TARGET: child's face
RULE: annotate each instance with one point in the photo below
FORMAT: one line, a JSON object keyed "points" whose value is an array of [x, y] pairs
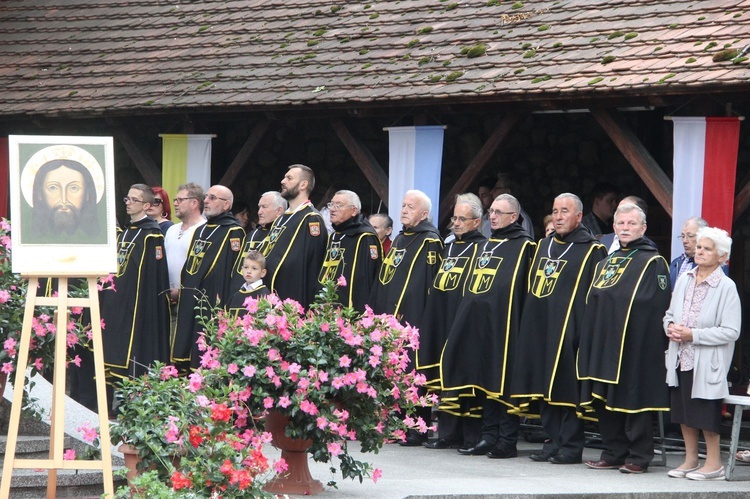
{"points": [[252, 271]]}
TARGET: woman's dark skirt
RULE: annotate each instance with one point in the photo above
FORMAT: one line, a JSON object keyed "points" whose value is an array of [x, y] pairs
{"points": [[696, 413]]}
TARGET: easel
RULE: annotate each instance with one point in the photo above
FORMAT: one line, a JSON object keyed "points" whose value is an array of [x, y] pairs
{"points": [[57, 427]]}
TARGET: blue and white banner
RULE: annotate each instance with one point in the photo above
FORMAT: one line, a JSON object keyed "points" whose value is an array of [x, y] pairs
{"points": [[415, 162]]}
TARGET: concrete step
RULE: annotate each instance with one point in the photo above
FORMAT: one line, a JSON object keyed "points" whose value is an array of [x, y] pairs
{"points": [[70, 483]]}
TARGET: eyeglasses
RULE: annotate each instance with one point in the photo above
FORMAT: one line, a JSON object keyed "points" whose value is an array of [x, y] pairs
{"points": [[499, 212], [180, 200], [212, 197], [157, 202], [462, 219], [127, 200], [686, 236], [336, 206]]}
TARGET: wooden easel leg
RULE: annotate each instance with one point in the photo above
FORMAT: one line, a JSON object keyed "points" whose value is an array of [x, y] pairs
{"points": [[57, 425], [57, 417], [101, 390], [15, 411]]}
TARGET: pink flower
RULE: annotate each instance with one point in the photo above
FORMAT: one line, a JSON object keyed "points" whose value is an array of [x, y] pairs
{"points": [[268, 402], [334, 448], [168, 372], [273, 354], [76, 360], [10, 346], [7, 368], [232, 368], [280, 466], [248, 371], [76, 310], [321, 422], [4, 296], [376, 474], [88, 434], [39, 364], [284, 402], [196, 380], [345, 361], [69, 455], [341, 281], [308, 407], [325, 327]]}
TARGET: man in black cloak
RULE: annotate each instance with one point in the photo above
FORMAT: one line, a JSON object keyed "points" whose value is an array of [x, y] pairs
{"points": [[545, 369]]}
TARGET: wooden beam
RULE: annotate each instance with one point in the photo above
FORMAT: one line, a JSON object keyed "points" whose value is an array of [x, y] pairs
{"points": [[637, 155], [742, 201], [479, 162], [248, 148], [364, 159], [142, 161]]}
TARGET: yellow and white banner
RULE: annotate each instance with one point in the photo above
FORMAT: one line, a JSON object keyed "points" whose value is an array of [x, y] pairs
{"points": [[185, 158]]}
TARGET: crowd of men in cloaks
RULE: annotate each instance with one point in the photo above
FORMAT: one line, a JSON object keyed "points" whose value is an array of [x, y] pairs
{"points": [[504, 327]]}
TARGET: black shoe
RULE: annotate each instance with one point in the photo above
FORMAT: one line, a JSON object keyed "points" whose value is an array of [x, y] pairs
{"points": [[480, 449], [564, 459], [413, 439], [440, 443], [541, 456], [503, 452]]}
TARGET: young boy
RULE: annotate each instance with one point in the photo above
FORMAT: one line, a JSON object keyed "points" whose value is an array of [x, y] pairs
{"points": [[253, 270]]}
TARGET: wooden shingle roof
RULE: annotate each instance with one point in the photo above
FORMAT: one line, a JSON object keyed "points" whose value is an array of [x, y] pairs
{"points": [[69, 57]]}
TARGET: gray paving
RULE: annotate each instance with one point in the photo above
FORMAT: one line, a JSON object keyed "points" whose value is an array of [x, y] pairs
{"points": [[417, 472]]}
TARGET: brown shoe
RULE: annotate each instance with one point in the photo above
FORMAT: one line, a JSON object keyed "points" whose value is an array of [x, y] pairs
{"points": [[602, 465], [632, 468]]}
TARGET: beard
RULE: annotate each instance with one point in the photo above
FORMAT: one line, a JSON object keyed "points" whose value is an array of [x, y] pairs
{"points": [[290, 192], [65, 220]]}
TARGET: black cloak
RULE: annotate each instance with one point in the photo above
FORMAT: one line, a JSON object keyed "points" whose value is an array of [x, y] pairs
{"points": [[559, 278], [294, 251], [354, 251], [212, 270], [621, 355], [135, 310]]}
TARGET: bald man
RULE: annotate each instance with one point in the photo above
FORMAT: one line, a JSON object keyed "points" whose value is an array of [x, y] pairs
{"points": [[212, 271]]}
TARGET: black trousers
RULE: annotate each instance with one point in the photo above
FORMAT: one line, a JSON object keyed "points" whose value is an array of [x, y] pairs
{"points": [[627, 438], [564, 428], [497, 425]]}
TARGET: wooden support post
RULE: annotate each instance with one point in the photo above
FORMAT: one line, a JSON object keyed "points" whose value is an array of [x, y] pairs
{"points": [[637, 155], [364, 159], [479, 162], [142, 161], [248, 148], [57, 424]]}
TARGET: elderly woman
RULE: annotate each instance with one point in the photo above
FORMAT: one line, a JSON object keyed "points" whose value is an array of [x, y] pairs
{"points": [[702, 324]]}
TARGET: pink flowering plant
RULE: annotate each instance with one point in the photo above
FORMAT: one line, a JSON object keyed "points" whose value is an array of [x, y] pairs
{"points": [[192, 439], [13, 290], [338, 375]]}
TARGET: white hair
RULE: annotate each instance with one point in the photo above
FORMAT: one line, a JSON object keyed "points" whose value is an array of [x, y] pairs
{"points": [[278, 200], [472, 201], [720, 238], [627, 208], [426, 203], [352, 197]]}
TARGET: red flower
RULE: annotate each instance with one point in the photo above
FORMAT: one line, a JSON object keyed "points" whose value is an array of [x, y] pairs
{"points": [[221, 412], [226, 467], [196, 435], [180, 481]]}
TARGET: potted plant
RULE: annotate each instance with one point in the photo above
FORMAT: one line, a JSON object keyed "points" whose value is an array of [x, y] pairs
{"points": [[325, 377], [185, 438], [335, 374]]}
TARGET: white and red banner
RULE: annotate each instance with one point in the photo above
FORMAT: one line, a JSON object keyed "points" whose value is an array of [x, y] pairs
{"points": [[705, 164]]}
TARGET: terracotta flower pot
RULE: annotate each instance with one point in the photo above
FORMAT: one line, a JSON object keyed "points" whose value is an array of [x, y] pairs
{"points": [[131, 457], [297, 479]]}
